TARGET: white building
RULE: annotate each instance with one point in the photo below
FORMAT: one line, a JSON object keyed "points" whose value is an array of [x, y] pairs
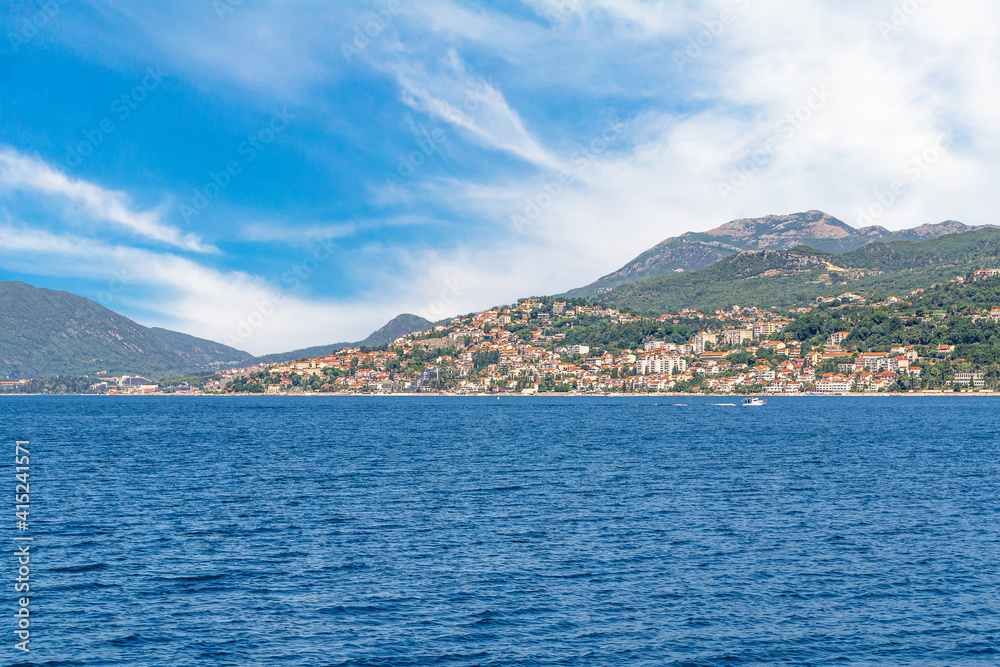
{"points": [[737, 336], [837, 384], [701, 342], [660, 365]]}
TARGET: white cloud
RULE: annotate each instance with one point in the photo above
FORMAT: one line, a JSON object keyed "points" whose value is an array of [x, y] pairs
{"points": [[25, 173], [234, 307], [265, 232], [883, 103], [471, 103]]}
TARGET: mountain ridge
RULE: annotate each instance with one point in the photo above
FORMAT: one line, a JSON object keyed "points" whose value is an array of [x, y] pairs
{"points": [[51, 332], [398, 326], [797, 276], [46, 332], [693, 251]]}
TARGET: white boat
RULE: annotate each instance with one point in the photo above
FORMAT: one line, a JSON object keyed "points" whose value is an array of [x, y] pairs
{"points": [[754, 401]]}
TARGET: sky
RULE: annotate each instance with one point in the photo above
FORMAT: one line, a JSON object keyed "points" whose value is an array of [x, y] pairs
{"points": [[274, 175]]}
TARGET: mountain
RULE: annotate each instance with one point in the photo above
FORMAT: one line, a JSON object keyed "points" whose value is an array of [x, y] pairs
{"points": [[44, 332], [696, 250], [396, 327], [797, 276]]}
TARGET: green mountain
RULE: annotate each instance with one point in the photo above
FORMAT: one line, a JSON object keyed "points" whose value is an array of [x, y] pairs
{"points": [[696, 250], [795, 277], [396, 327], [44, 332]]}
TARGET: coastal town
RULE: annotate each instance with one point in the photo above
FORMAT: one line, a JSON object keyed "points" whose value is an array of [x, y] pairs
{"points": [[552, 346]]}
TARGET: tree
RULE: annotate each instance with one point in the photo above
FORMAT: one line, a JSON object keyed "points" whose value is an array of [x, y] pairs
{"points": [[483, 359]]}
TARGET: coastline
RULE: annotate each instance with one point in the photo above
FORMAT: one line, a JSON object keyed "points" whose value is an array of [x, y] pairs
{"points": [[555, 394]]}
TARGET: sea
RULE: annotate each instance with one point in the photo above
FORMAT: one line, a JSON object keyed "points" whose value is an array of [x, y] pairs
{"points": [[385, 531]]}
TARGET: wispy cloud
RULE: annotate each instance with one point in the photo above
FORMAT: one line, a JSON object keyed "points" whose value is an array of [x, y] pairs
{"points": [[266, 232], [26, 173], [452, 94]]}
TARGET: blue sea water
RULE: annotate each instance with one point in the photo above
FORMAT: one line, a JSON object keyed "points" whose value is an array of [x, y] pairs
{"points": [[525, 531]]}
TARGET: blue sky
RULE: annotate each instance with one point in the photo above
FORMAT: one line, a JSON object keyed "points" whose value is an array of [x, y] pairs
{"points": [[281, 174]]}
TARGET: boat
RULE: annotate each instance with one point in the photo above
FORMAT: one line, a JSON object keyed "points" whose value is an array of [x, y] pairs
{"points": [[753, 400]]}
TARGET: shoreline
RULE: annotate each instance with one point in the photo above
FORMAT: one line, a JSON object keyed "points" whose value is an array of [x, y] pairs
{"points": [[916, 394]]}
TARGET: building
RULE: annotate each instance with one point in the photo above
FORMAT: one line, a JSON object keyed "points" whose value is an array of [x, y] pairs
{"points": [[711, 358], [660, 365], [434, 343], [874, 361], [763, 330], [834, 384], [837, 338], [133, 381], [703, 341], [970, 379], [737, 336]]}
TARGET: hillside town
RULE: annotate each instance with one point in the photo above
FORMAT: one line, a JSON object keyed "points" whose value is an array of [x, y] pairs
{"points": [[541, 346]]}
